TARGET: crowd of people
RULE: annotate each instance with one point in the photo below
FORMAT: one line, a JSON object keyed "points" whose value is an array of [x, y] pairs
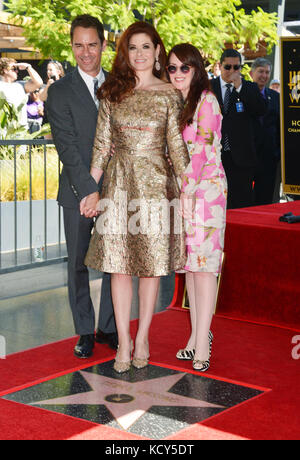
{"points": [[28, 96], [153, 154]]}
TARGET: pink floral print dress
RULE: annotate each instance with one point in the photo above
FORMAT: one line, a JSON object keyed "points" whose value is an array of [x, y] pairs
{"points": [[205, 178]]}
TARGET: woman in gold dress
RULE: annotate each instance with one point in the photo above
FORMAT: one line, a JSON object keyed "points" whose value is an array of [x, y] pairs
{"points": [[139, 230]]}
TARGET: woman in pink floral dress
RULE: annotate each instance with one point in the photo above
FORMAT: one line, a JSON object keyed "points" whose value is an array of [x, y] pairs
{"points": [[204, 193]]}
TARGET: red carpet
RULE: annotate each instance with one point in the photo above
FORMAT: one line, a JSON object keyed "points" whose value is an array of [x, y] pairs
{"points": [[243, 353], [260, 279], [262, 264]]}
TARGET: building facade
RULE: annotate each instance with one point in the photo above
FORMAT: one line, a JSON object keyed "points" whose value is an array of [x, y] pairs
{"points": [[289, 10], [288, 25]]}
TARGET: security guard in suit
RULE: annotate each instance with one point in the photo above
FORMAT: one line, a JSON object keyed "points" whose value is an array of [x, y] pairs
{"points": [[242, 104]]}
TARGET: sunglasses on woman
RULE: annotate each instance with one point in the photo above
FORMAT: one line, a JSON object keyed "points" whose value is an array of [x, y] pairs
{"points": [[184, 68], [229, 66]]}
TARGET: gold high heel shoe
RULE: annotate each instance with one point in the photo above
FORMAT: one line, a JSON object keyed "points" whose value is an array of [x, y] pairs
{"points": [[123, 366], [140, 363]]}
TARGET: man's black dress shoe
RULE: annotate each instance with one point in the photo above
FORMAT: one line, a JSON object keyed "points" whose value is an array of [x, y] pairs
{"points": [[110, 339], [84, 347]]}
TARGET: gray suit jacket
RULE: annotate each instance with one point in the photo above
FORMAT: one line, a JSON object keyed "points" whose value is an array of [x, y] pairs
{"points": [[73, 117]]}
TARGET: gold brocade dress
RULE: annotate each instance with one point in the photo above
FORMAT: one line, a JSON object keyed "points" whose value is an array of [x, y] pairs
{"points": [[139, 231]]}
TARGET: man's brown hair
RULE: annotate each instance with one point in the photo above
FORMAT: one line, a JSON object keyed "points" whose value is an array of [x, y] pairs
{"points": [[88, 22]]}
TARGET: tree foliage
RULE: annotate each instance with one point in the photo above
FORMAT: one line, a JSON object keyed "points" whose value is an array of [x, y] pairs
{"points": [[207, 24], [10, 126]]}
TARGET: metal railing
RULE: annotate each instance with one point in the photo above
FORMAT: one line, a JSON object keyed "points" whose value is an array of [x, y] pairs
{"points": [[31, 230]]}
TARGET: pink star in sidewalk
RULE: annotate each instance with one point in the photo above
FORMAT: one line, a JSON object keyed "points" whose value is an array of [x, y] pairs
{"points": [[129, 401]]}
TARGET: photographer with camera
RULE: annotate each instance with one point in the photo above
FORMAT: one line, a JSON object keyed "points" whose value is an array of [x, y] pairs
{"points": [[55, 72]]}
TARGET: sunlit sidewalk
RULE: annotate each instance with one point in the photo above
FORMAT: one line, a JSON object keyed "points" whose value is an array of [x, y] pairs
{"points": [[34, 307]]}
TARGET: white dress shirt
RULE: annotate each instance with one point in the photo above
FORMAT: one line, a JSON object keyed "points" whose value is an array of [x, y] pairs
{"points": [[89, 81]]}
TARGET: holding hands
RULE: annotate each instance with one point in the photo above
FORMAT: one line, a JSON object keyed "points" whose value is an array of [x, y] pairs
{"points": [[89, 205]]}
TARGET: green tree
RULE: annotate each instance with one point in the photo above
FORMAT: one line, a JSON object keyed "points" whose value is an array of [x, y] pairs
{"points": [[206, 24]]}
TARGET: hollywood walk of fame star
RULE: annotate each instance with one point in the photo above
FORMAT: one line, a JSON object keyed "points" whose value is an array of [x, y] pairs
{"points": [[129, 401]]}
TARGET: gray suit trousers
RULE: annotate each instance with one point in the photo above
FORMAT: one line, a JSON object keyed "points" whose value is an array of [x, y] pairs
{"points": [[78, 233]]}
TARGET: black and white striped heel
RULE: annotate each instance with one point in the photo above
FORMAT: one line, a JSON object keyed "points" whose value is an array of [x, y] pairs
{"points": [[210, 338], [186, 355], [203, 366]]}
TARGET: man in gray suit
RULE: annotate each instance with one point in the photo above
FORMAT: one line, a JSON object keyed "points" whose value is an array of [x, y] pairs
{"points": [[72, 108]]}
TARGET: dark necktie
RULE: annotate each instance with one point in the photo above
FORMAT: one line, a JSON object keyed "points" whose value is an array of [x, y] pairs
{"points": [[226, 145], [96, 87], [227, 97]]}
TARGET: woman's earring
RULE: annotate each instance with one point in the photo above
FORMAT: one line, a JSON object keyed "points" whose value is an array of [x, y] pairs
{"points": [[157, 65]]}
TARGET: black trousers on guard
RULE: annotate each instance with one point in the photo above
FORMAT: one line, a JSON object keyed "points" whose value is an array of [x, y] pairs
{"points": [[240, 183]]}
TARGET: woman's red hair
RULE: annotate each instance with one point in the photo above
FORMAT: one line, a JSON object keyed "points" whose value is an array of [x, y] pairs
{"points": [[122, 79], [191, 56]]}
